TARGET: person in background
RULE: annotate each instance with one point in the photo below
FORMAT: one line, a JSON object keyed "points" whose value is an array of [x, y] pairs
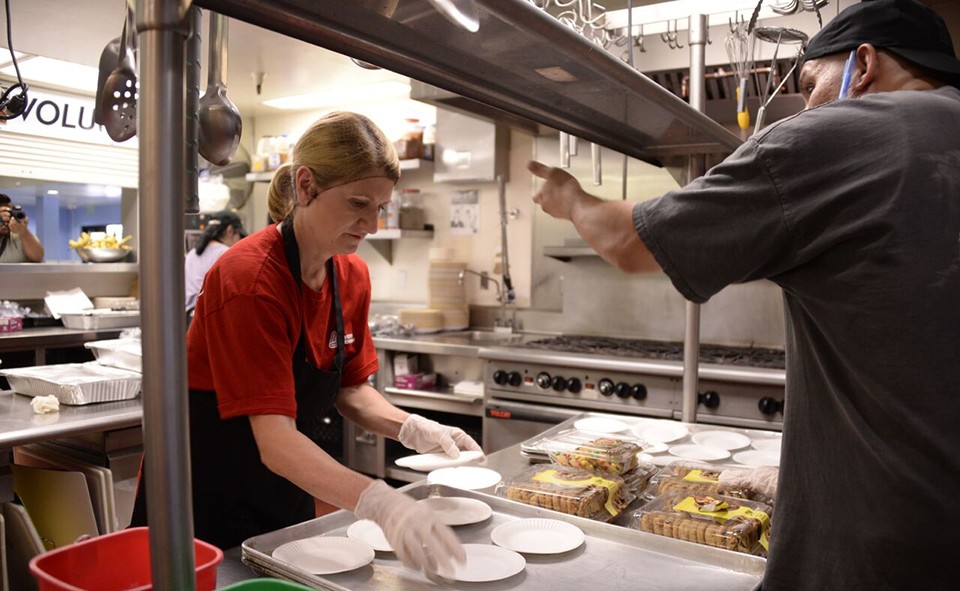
{"points": [[853, 208], [223, 230], [17, 243], [280, 337], [280, 195]]}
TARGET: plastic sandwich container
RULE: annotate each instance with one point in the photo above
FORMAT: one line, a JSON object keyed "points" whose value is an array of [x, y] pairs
{"points": [[114, 562]]}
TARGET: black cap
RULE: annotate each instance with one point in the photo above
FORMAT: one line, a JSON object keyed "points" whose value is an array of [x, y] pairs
{"points": [[225, 218], [904, 27]]}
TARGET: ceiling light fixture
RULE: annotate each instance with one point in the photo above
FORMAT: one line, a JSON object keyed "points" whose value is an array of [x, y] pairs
{"points": [[52, 72], [367, 93]]}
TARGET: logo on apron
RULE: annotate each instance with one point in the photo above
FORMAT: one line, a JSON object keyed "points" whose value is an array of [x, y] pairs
{"points": [[347, 339]]}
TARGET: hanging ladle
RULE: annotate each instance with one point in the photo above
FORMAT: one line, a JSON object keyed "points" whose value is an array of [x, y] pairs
{"points": [[220, 123], [117, 104]]}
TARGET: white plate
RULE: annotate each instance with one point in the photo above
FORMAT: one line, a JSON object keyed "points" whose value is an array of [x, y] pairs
{"points": [[655, 447], [486, 563], [369, 533], [600, 425], [700, 452], [427, 462], [321, 555], [767, 445], [755, 457], [663, 432], [538, 536], [458, 511], [464, 477], [721, 439]]}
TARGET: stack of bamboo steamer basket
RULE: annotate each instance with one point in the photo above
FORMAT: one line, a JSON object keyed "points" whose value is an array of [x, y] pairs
{"points": [[446, 292]]}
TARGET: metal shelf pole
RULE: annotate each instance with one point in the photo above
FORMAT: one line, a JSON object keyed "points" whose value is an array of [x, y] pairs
{"points": [[166, 440]]}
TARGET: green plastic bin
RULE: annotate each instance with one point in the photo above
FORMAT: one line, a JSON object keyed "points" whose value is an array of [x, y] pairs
{"points": [[266, 585]]}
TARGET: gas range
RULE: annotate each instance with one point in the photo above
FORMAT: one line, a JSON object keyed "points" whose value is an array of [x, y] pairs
{"points": [[738, 386]]}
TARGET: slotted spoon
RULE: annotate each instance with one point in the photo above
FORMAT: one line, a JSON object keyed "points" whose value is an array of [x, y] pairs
{"points": [[117, 103]]}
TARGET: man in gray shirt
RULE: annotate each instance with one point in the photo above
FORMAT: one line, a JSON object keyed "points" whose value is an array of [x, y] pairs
{"points": [[17, 243], [853, 208]]}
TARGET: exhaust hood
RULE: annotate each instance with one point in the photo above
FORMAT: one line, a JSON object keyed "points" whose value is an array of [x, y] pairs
{"points": [[522, 62]]}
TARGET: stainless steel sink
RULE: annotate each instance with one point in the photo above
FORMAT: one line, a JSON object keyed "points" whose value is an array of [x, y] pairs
{"points": [[476, 337]]}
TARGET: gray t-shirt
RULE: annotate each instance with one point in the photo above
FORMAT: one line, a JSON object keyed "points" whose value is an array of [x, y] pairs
{"points": [[853, 208], [13, 253]]}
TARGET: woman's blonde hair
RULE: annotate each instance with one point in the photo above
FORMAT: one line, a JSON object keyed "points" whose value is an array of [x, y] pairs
{"points": [[338, 148], [280, 196]]}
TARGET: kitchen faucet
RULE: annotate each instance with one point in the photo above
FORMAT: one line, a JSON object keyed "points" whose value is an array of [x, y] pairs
{"points": [[502, 296]]}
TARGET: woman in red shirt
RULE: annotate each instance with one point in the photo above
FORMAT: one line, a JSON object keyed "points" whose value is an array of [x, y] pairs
{"points": [[280, 337]]}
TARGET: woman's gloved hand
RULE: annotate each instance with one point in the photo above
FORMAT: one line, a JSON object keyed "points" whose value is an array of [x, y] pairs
{"points": [[762, 480], [420, 540], [426, 436]]}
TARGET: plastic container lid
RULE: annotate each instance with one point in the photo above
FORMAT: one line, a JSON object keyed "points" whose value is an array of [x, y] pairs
{"points": [[696, 479], [568, 490], [115, 562], [713, 520], [601, 455]]}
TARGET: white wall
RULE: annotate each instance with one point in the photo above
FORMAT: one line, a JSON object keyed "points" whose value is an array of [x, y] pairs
{"points": [[405, 280]]}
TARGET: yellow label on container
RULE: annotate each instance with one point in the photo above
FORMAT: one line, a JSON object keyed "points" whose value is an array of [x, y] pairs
{"points": [[722, 512], [702, 476], [551, 477]]}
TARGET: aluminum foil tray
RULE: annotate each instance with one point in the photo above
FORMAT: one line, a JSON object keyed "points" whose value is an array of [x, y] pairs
{"points": [[120, 353], [75, 383], [101, 318], [613, 558]]}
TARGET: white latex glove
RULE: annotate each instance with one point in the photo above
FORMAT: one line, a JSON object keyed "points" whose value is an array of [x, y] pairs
{"points": [[426, 436], [419, 538], [762, 479]]}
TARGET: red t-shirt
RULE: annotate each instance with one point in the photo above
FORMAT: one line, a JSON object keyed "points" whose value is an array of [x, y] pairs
{"points": [[248, 321]]}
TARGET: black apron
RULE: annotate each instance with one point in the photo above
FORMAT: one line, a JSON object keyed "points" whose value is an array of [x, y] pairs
{"points": [[235, 496]]}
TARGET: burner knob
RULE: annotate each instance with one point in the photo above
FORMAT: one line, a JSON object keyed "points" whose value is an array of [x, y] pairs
{"points": [[559, 384], [770, 406], [515, 379], [544, 380], [710, 399], [500, 377], [622, 390], [606, 387], [574, 385], [638, 391]]}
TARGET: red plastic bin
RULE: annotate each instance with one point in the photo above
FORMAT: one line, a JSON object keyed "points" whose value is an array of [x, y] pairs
{"points": [[114, 562]]}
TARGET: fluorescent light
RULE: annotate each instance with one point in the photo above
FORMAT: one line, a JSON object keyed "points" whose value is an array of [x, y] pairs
{"points": [[52, 72], [52, 192], [367, 93]]}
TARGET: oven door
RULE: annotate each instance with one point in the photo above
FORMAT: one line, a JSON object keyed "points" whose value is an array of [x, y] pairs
{"points": [[506, 422]]}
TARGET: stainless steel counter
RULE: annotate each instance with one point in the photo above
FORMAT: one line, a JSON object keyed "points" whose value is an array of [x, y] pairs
{"points": [[20, 425]]}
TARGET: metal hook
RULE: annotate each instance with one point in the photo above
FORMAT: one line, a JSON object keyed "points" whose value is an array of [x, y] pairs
{"points": [[676, 35]]}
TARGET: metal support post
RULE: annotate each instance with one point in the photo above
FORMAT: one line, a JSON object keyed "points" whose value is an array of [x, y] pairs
{"points": [[160, 24], [695, 167]]}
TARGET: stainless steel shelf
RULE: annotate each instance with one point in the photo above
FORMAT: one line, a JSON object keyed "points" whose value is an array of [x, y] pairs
{"points": [[522, 61], [382, 241], [440, 399]]}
